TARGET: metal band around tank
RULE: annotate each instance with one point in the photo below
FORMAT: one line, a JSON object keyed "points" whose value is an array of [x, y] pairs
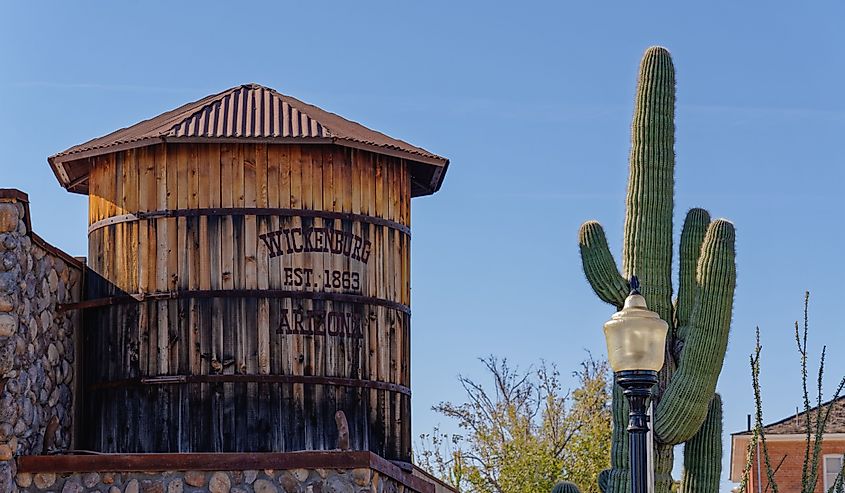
{"points": [[240, 378], [235, 293], [249, 211]]}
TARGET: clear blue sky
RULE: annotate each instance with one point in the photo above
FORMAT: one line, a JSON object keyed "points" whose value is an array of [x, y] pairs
{"points": [[532, 103]]}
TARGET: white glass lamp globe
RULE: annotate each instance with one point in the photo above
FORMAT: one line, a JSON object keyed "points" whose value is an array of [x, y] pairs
{"points": [[635, 337]]}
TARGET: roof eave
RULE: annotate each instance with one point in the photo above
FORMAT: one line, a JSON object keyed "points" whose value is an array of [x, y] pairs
{"points": [[59, 171], [440, 163], [57, 161]]}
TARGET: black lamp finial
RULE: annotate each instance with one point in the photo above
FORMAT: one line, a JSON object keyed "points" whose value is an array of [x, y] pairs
{"points": [[635, 285]]}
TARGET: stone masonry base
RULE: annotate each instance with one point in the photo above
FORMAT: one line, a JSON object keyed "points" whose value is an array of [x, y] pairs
{"points": [[343, 472]]}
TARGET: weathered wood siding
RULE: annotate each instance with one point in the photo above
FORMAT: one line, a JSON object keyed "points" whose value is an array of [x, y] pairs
{"points": [[274, 285]]}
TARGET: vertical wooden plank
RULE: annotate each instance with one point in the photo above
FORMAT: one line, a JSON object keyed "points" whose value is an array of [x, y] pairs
{"points": [[295, 160], [243, 320], [332, 177], [263, 179], [379, 186], [285, 157], [93, 192], [395, 180], [217, 158], [238, 194], [193, 223], [194, 272], [171, 328], [262, 260], [360, 205], [146, 180], [107, 190], [396, 339], [396, 252], [181, 224], [250, 237], [228, 363], [316, 157], [235, 343], [372, 321], [273, 347], [305, 261], [367, 182], [131, 205], [208, 157], [406, 253], [355, 165], [307, 176], [385, 314], [319, 338], [328, 179], [172, 165], [356, 345], [380, 207], [280, 308], [297, 348], [228, 158], [347, 156], [346, 205], [124, 251], [241, 155], [406, 300], [328, 350], [261, 175], [146, 168], [403, 346], [327, 202], [161, 280], [95, 241], [120, 253]]}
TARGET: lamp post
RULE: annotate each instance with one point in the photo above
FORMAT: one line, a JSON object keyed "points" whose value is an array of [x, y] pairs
{"points": [[635, 346]]}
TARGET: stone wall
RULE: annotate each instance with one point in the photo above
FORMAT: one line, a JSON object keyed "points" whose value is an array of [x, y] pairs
{"points": [[37, 353], [360, 480]]}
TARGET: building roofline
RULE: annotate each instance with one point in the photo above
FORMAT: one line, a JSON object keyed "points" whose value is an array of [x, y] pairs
{"points": [[784, 420]]}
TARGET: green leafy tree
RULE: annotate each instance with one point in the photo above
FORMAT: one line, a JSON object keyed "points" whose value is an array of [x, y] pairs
{"points": [[525, 432]]}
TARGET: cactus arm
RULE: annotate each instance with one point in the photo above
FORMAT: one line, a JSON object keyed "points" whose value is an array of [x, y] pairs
{"points": [[566, 487], [703, 454], [692, 235], [649, 200], [599, 266], [685, 402], [604, 480], [618, 478]]}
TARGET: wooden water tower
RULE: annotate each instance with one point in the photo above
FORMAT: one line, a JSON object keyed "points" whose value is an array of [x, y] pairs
{"points": [[249, 277]]}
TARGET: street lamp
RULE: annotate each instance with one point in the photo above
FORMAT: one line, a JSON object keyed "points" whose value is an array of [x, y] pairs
{"points": [[635, 346]]}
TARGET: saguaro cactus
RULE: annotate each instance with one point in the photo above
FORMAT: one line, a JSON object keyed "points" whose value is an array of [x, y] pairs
{"points": [[700, 316], [566, 487]]}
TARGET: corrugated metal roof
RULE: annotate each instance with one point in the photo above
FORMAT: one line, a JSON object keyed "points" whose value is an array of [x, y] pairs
{"points": [[250, 111]]}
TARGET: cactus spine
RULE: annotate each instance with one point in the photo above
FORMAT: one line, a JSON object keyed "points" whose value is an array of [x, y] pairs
{"points": [[700, 316]]}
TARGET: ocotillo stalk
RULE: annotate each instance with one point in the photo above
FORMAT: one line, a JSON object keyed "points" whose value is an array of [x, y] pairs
{"points": [[700, 316]]}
